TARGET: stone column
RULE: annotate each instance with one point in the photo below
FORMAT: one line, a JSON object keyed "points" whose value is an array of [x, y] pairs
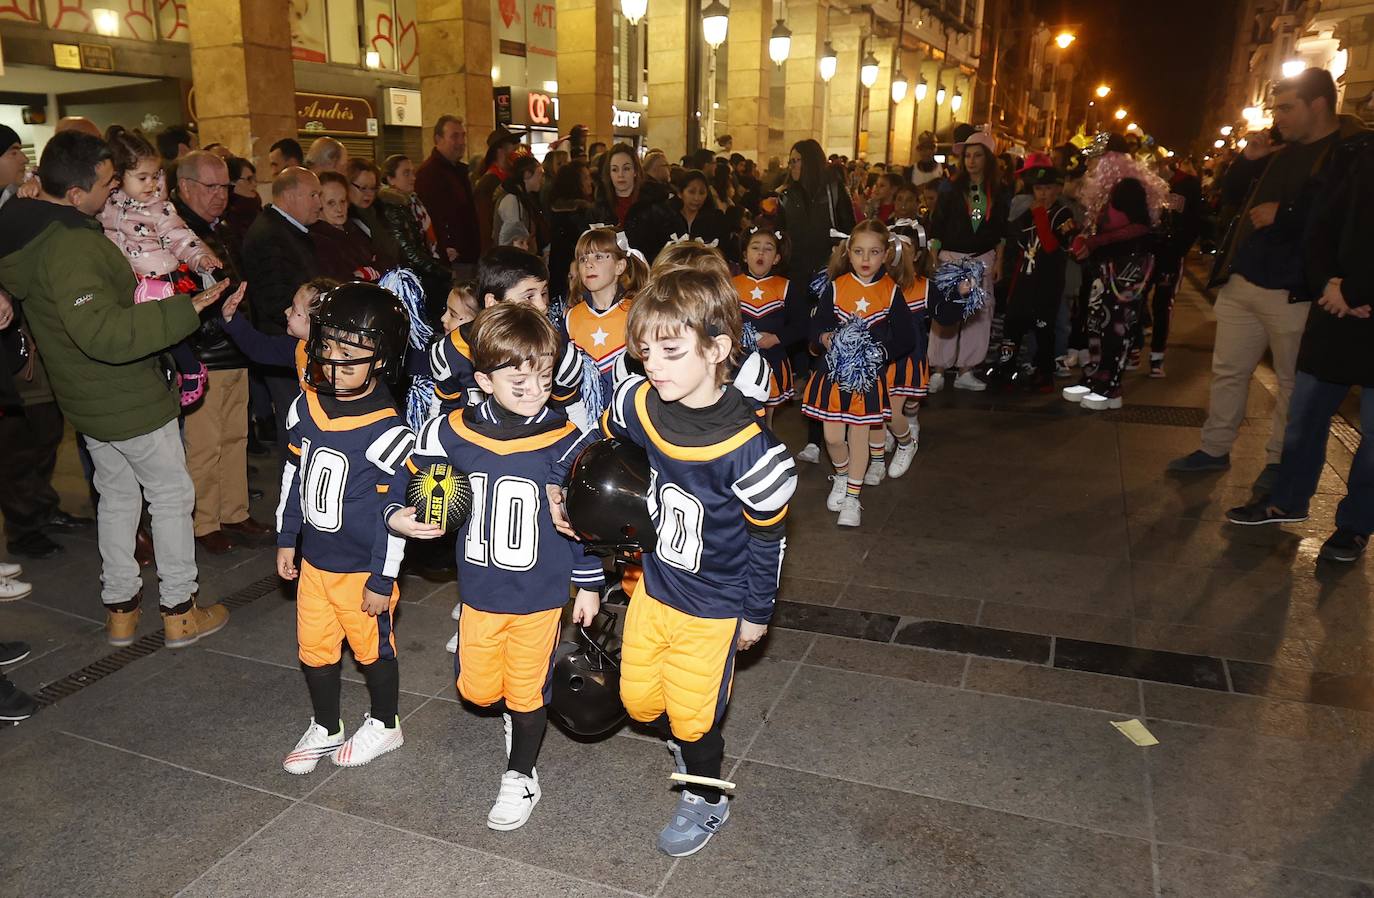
{"points": [[749, 78], [841, 117], [669, 44], [880, 100], [455, 65], [805, 116], [903, 136], [245, 90], [586, 86]]}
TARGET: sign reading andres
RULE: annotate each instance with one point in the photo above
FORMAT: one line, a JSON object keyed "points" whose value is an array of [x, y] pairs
{"points": [[329, 114]]}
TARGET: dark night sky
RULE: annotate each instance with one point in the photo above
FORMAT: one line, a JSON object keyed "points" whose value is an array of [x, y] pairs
{"points": [[1157, 54]]}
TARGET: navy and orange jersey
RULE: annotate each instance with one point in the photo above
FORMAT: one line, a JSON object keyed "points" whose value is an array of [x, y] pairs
{"points": [[344, 454], [601, 335], [511, 559], [455, 381], [880, 305], [719, 486]]}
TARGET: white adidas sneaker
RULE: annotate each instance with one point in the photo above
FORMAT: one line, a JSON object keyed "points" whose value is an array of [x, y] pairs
{"points": [[369, 741], [515, 802], [850, 512], [839, 484], [901, 460], [317, 743]]}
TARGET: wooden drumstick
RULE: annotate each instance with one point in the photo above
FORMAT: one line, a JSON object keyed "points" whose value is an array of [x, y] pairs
{"points": [[700, 780]]}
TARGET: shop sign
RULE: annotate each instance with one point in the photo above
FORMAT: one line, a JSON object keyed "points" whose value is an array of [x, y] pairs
{"points": [[66, 56], [542, 109], [97, 58], [330, 114], [627, 118], [500, 97]]}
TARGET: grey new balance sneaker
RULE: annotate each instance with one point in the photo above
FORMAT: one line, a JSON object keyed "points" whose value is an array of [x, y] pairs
{"points": [[695, 820]]}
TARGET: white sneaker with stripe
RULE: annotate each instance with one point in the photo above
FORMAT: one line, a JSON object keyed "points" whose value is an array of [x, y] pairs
{"points": [[317, 743], [369, 741]]}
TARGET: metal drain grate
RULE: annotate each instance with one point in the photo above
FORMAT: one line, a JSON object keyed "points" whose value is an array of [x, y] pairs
{"points": [[142, 647], [1165, 415]]}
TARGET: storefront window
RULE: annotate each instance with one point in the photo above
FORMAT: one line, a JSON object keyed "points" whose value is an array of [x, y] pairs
{"points": [[26, 11], [391, 32], [132, 19], [172, 21]]}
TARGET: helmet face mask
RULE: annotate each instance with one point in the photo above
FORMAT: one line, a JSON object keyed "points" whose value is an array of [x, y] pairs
{"points": [[586, 680], [368, 319]]}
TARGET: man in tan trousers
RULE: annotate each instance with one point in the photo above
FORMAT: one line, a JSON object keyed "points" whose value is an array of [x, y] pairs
{"points": [[1264, 263]]}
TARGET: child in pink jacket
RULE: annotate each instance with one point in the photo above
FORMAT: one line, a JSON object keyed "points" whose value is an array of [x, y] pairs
{"points": [[166, 256]]}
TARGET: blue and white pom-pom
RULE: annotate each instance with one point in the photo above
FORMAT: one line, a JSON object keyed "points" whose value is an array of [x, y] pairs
{"points": [[950, 276], [748, 338], [406, 286], [593, 403], [557, 316], [819, 283], [854, 359]]}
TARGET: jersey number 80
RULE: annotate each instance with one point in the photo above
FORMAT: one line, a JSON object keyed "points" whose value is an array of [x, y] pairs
{"points": [[503, 528], [678, 517]]}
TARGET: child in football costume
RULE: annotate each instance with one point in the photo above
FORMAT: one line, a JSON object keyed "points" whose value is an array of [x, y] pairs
{"points": [[719, 487], [862, 289], [774, 307], [505, 274], [604, 279], [350, 441], [514, 569]]}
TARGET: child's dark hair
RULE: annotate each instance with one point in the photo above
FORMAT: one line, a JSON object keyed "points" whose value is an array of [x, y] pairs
{"points": [[502, 268], [321, 286], [509, 335], [779, 239], [127, 148]]}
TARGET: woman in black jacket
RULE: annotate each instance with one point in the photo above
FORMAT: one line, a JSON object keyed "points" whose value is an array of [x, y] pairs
{"points": [[700, 217], [635, 204], [399, 211], [570, 213], [814, 202]]}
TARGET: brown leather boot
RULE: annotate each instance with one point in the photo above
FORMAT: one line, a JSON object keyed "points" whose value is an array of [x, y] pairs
{"points": [[181, 630], [120, 626], [143, 547]]}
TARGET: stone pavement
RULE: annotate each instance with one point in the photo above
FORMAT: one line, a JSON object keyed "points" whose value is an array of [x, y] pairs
{"points": [[929, 717]]}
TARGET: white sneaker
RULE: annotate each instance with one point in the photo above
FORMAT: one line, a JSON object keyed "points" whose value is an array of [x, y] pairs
{"points": [[10, 570], [1075, 393], [1098, 402], [811, 454], [969, 381], [915, 430], [11, 590], [452, 644], [515, 802], [850, 512], [877, 470], [839, 483], [506, 727], [901, 460], [314, 745], [937, 382], [457, 611], [369, 741], [889, 441]]}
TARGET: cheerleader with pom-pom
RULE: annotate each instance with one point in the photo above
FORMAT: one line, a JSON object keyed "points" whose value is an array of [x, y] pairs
{"points": [[604, 278], [774, 310], [908, 377], [861, 322]]}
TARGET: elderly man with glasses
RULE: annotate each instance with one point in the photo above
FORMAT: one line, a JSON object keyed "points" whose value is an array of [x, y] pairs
{"points": [[216, 429]]}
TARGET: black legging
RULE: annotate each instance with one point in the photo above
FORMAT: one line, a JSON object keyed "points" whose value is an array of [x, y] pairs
{"points": [[1162, 305]]}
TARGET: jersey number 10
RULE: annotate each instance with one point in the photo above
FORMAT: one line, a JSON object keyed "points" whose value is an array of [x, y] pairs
{"points": [[503, 528]]}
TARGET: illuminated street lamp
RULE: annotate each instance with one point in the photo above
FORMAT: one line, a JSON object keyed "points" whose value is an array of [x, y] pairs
{"points": [[634, 10], [940, 95], [1102, 91], [829, 61], [1064, 38], [715, 21], [1293, 68], [1218, 143], [1226, 130], [922, 88], [780, 43], [956, 101], [1120, 114], [868, 70], [899, 86]]}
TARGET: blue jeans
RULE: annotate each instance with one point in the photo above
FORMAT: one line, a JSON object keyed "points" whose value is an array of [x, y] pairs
{"points": [[1313, 404]]}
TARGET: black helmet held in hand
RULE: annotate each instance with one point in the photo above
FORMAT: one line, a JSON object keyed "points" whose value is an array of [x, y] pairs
{"points": [[361, 315], [607, 498]]}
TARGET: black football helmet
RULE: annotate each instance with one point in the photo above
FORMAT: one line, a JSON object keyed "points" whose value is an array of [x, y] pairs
{"points": [[586, 680], [607, 497], [363, 315]]}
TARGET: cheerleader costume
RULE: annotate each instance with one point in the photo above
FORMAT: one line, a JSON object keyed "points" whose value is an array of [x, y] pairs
{"points": [[910, 374], [772, 305], [881, 306]]}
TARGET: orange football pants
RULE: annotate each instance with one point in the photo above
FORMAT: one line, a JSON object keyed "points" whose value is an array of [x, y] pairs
{"points": [[329, 609], [507, 656]]}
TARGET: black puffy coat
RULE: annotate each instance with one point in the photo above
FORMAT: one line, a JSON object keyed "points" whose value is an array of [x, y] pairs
{"points": [[651, 221], [210, 344], [808, 222]]}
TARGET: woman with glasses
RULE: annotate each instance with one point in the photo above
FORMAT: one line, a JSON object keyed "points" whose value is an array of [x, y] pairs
{"points": [[406, 221], [244, 201], [364, 183]]}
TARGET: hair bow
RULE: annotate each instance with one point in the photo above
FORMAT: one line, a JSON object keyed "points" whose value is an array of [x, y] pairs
{"points": [[758, 230], [839, 235], [911, 224], [621, 240], [688, 238]]}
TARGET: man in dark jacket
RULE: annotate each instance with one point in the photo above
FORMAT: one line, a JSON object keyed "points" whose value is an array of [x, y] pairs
{"points": [[1337, 353], [216, 428], [102, 357], [278, 258], [1265, 268], [444, 186]]}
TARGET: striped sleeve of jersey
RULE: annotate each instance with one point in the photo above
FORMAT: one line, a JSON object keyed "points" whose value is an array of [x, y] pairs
{"points": [[754, 378], [388, 452], [289, 515], [454, 382], [765, 488], [567, 376]]}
